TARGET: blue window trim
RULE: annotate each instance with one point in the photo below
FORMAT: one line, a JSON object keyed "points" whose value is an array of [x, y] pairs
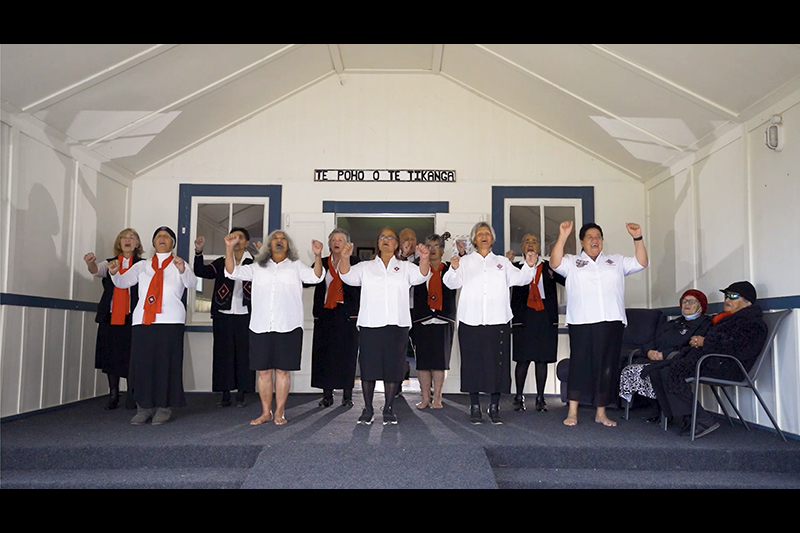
{"points": [[190, 190], [390, 208], [499, 195]]}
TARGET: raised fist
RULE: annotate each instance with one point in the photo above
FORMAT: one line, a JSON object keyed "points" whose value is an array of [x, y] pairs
{"points": [[198, 244]]}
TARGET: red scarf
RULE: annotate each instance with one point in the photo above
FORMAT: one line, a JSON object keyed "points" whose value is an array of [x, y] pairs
{"points": [[152, 304], [120, 301], [534, 298], [719, 317], [435, 288], [335, 289]]}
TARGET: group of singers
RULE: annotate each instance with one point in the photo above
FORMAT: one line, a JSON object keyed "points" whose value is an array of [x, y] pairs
{"points": [[366, 311]]}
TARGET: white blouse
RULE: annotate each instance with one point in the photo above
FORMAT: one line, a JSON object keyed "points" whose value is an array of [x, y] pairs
{"points": [[484, 284], [384, 291], [276, 293], [596, 289], [175, 284]]}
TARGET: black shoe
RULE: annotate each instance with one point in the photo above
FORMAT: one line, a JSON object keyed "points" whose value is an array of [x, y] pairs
{"points": [[325, 402], [347, 402], [541, 405], [224, 403], [113, 400], [475, 416], [366, 417], [494, 414], [519, 402], [389, 417]]}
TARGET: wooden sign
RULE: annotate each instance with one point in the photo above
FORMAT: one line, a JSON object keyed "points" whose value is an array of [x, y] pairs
{"points": [[384, 175]]}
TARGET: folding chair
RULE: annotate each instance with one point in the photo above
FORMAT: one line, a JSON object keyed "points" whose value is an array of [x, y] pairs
{"points": [[773, 321]]}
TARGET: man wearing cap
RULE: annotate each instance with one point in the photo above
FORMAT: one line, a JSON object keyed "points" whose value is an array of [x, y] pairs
{"points": [[738, 331]]}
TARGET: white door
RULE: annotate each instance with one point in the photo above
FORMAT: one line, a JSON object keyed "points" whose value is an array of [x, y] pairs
{"points": [[302, 228]]}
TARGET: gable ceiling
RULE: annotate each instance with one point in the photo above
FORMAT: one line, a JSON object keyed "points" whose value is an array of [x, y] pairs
{"points": [[639, 107]]}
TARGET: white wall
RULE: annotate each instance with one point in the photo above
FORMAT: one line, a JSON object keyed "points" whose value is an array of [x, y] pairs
{"points": [[56, 206], [730, 213], [388, 121]]}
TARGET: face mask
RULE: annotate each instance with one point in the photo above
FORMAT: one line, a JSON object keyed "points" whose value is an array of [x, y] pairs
{"points": [[692, 317]]}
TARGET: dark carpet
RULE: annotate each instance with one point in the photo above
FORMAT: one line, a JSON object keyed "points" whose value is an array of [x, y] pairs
{"points": [[84, 446]]}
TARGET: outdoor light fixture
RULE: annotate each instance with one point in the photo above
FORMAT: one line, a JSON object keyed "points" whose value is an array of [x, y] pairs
{"points": [[773, 136]]}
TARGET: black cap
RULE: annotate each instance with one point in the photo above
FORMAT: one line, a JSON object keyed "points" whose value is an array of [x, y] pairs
{"points": [[744, 289], [171, 234]]}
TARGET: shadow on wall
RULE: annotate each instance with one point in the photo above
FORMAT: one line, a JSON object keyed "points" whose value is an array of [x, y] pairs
{"points": [[36, 265]]}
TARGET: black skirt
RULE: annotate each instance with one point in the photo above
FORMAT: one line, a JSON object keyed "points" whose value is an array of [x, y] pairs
{"points": [[536, 339], [594, 362], [383, 353], [278, 351], [485, 358], [156, 374], [231, 364], [112, 352], [335, 350], [433, 344]]}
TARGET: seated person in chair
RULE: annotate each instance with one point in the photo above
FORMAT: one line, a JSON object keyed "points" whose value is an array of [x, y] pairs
{"points": [[671, 336], [738, 331]]}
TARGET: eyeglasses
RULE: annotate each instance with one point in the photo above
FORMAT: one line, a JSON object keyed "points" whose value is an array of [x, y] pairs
{"points": [[732, 296], [690, 301], [387, 238], [435, 246]]}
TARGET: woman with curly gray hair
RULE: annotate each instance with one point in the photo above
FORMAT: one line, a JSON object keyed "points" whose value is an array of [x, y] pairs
{"points": [[276, 320]]}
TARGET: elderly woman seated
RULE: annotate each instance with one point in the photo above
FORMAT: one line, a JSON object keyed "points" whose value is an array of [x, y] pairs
{"points": [[738, 331], [671, 337]]}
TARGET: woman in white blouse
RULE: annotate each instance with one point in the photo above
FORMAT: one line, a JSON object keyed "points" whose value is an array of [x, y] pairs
{"points": [[384, 318], [595, 315], [484, 316], [156, 372], [276, 319]]}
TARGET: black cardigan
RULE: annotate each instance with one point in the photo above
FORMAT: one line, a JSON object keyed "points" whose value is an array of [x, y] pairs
{"points": [[352, 295], [421, 312], [222, 298], [519, 295], [104, 306]]}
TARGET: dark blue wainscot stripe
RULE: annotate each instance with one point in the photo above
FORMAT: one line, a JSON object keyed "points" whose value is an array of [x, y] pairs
{"points": [[371, 208], [25, 300]]}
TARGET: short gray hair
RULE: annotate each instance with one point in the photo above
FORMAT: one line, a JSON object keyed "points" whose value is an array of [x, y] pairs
{"points": [[339, 231], [475, 229]]}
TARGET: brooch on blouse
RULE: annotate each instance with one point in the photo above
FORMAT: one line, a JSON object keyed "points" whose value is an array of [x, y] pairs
{"points": [[609, 261], [499, 266], [580, 263], [396, 268]]}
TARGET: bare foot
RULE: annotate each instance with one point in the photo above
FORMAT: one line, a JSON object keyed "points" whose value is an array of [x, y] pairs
{"points": [[280, 420], [435, 405], [603, 419], [261, 419], [422, 405], [571, 420]]}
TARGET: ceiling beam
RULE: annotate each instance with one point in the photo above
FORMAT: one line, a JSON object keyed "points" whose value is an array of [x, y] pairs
{"points": [[665, 82], [196, 94], [571, 94], [94, 79]]}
